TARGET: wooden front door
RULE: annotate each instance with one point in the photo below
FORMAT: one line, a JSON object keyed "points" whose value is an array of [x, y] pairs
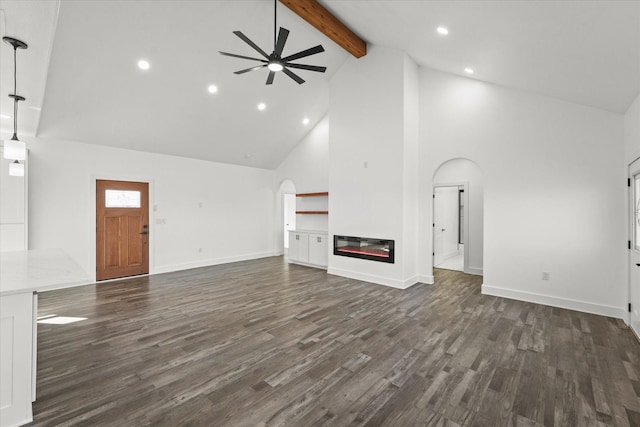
{"points": [[122, 229]]}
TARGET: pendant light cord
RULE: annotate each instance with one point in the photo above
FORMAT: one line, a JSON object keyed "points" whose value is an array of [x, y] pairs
{"points": [[15, 93]]}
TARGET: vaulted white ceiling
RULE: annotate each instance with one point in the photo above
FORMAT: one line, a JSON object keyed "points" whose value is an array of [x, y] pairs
{"points": [[587, 52], [90, 90]]}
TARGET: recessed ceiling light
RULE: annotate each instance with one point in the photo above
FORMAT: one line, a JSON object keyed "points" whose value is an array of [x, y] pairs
{"points": [[261, 106], [212, 88], [305, 121], [468, 70], [442, 30], [4, 116], [143, 64]]}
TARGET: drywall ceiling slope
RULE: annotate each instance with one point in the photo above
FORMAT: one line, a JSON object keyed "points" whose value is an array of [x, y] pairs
{"points": [[32, 22], [586, 52], [578, 51], [96, 94]]}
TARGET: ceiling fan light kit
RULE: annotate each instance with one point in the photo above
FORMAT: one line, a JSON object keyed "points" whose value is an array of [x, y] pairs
{"points": [[14, 149], [275, 62]]}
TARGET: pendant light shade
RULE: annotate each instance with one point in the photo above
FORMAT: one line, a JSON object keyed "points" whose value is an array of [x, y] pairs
{"points": [[16, 168], [15, 149]]}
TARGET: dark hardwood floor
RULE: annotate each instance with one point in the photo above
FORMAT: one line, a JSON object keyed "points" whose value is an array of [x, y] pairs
{"points": [[266, 343]]}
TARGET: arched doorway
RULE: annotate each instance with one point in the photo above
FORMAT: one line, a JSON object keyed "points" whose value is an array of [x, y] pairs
{"points": [[458, 216]]}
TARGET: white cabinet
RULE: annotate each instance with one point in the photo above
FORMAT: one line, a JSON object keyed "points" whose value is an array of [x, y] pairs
{"points": [[308, 248], [16, 358], [318, 249], [298, 246], [22, 275]]}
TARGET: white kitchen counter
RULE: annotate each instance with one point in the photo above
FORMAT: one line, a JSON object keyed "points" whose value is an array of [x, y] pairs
{"points": [[22, 275], [38, 271]]}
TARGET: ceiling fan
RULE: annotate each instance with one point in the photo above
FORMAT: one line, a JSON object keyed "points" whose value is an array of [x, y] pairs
{"points": [[275, 62]]}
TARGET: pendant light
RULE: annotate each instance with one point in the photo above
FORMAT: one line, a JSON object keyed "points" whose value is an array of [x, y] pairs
{"points": [[15, 149], [16, 168]]}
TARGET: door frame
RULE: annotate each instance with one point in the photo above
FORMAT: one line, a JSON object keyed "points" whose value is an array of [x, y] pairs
{"points": [[92, 223], [630, 234], [285, 236], [465, 226], [286, 186]]}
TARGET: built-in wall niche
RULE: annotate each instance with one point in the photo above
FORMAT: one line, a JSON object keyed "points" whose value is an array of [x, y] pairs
{"points": [[312, 211], [381, 250]]}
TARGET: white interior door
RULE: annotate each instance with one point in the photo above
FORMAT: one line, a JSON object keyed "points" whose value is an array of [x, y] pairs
{"points": [[445, 223], [634, 253], [289, 216]]}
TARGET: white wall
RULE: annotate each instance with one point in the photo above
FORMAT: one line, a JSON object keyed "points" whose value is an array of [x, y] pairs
{"points": [[463, 170], [13, 207], [632, 132], [370, 176], [307, 166], [410, 178], [553, 199], [234, 221]]}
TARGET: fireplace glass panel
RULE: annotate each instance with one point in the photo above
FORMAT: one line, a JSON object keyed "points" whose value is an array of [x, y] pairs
{"points": [[365, 248]]}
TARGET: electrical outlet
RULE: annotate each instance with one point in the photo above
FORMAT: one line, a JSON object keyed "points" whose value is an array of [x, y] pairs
{"points": [[546, 276]]}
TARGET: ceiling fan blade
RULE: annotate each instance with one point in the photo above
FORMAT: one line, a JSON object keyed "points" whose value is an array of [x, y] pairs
{"points": [[250, 43], [272, 74], [293, 76], [307, 67], [241, 56], [249, 69], [302, 54], [282, 39]]}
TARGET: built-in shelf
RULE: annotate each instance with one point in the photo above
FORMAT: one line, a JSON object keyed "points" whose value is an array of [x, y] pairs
{"points": [[325, 193], [317, 194]]}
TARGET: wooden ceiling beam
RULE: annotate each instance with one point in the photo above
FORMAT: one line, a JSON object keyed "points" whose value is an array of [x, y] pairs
{"points": [[315, 14]]}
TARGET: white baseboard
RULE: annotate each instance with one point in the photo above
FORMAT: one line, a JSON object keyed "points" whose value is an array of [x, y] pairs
{"points": [[378, 280], [410, 282], [322, 267], [210, 262], [474, 270], [584, 306], [429, 280], [635, 333]]}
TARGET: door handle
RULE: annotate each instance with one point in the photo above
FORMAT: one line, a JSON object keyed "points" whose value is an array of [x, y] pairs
{"points": [[144, 233], [638, 265]]}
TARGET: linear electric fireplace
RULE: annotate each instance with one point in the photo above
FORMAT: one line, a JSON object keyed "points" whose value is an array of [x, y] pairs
{"points": [[364, 248]]}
